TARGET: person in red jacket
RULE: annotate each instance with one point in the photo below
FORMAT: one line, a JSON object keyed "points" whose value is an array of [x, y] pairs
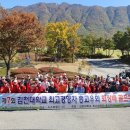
{"points": [[34, 86], [5, 88], [37, 87], [93, 87], [87, 89], [15, 88], [125, 87], [56, 85], [99, 88], [23, 88], [42, 88], [56, 82], [28, 86], [62, 87]]}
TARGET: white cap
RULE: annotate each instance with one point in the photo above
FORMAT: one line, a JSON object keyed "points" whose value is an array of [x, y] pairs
{"points": [[3, 77], [15, 81], [64, 74], [61, 81], [47, 83], [60, 76], [110, 80], [36, 79], [39, 82], [127, 77], [45, 77], [52, 83], [117, 83]]}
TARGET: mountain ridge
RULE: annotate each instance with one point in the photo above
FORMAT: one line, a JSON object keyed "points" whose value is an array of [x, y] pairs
{"points": [[96, 20]]}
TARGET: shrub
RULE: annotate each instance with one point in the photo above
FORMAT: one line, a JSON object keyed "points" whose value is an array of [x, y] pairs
{"points": [[20, 76], [99, 55], [51, 70], [24, 71], [42, 57], [68, 60], [125, 59]]}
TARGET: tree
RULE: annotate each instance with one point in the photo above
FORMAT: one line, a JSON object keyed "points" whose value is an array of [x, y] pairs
{"points": [[126, 39], [119, 40], [108, 46], [88, 46], [62, 39], [18, 31], [74, 41], [84, 49], [99, 43]]}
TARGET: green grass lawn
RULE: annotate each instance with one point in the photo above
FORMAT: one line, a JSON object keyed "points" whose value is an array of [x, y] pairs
{"points": [[116, 54], [2, 71]]}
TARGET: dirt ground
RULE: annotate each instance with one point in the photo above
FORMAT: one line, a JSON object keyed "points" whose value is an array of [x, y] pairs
{"points": [[79, 66]]}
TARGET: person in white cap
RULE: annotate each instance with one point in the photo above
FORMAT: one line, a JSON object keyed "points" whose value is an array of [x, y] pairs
{"points": [[118, 86]]}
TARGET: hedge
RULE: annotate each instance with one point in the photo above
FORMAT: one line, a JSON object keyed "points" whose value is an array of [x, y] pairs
{"points": [[24, 71], [51, 70]]}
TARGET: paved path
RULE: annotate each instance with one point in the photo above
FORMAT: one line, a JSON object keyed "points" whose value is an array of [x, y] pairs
{"points": [[85, 119], [107, 66]]}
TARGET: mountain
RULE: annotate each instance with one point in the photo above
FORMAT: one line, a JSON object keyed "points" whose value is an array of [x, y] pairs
{"points": [[94, 19]]}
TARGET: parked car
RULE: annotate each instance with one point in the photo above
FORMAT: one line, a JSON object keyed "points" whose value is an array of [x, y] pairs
{"points": [[125, 74]]}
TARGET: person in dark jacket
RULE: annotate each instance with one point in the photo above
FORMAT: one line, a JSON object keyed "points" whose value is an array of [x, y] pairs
{"points": [[107, 87], [52, 88], [70, 87], [113, 87]]}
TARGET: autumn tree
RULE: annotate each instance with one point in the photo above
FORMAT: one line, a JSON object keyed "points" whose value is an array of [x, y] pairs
{"points": [[74, 41], [18, 30], [62, 39]]}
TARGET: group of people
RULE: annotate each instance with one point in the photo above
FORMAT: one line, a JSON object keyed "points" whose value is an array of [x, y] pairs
{"points": [[61, 84]]}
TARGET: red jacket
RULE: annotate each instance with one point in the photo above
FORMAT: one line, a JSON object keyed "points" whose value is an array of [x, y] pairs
{"points": [[15, 89], [99, 89], [125, 88], [93, 88], [56, 85], [23, 89], [35, 90], [62, 88], [28, 87], [4, 89], [88, 89]]}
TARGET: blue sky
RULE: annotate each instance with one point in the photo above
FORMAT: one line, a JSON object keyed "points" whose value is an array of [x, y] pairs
{"points": [[12, 3]]}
